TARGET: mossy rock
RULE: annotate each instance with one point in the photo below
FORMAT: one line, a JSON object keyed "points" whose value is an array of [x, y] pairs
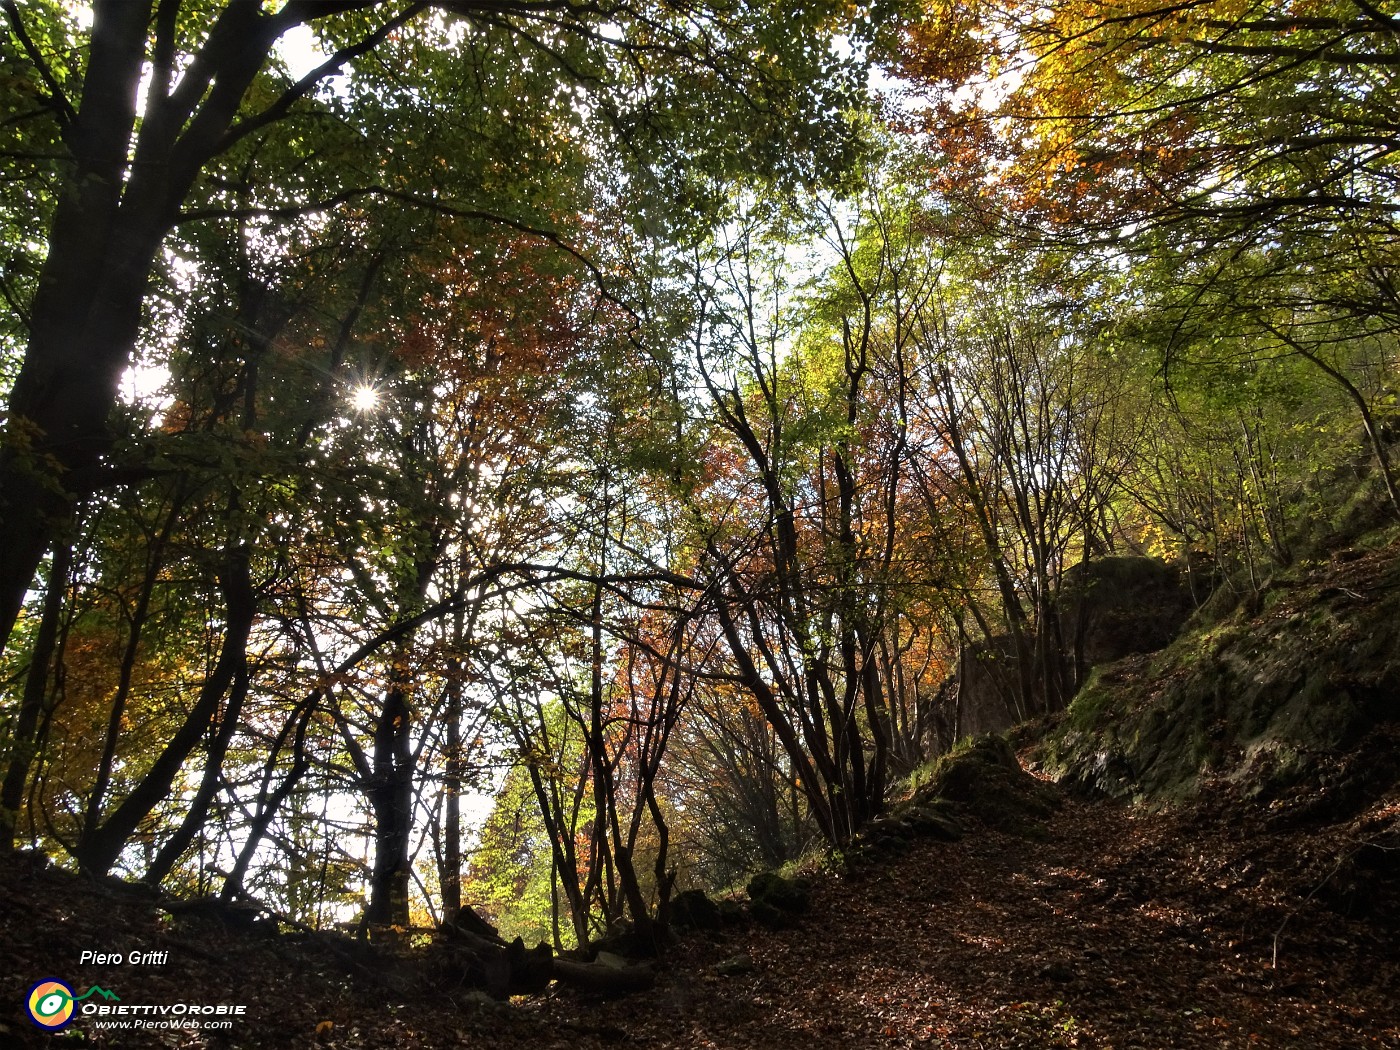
{"points": [[1263, 700], [692, 910], [1122, 604], [775, 901], [732, 912], [770, 917], [987, 780], [736, 966], [935, 821], [624, 940]]}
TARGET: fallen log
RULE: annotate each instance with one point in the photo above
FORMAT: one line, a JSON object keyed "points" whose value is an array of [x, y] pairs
{"points": [[599, 978], [472, 952], [488, 962]]}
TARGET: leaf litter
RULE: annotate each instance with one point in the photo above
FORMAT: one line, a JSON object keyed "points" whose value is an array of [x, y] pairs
{"points": [[1114, 928]]}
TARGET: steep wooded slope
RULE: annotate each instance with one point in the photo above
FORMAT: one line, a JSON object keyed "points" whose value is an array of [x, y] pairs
{"points": [[1260, 908], [1100, 926], [1291, 695]]}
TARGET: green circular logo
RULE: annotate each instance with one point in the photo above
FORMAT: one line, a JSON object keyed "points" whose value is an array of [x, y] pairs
{"points": [[50, 1004]]}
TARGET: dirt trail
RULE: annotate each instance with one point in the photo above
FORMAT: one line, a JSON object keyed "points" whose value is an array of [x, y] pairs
{"points": [[1118, 930]]}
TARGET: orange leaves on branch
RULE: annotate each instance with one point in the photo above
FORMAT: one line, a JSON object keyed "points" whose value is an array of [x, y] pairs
{"points": [[1106, 112]]}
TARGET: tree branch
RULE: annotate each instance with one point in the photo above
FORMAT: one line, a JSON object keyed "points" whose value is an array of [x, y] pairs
{"points": [[303, 87], [67, 115], [294, 211]]}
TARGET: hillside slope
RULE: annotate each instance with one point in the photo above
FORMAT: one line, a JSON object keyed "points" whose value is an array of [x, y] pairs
{"points": [[1292, 698], [1105, 926], [1254, 902]]}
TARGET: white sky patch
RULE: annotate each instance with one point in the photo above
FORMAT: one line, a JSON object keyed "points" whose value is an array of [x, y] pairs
{"points": [[146, 384], [988, 94], [81, 13], [299, 49]]}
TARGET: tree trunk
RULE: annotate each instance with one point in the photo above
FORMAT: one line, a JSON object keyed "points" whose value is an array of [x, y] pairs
{"points": [[450, 877], [24, 744], [391, 798], [84, 317], [270, 801], [99, 847], [119, 198], [155, 562], [194, 820]]}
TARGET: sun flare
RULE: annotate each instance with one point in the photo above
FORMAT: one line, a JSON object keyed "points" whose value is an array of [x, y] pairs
{"points": [[364, 398]]}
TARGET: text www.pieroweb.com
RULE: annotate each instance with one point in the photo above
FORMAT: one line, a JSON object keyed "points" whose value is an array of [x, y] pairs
{"points": [[151, 1023]]}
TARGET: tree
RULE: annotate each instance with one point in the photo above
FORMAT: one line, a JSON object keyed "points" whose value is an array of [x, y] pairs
{"points": [[797, 517], [215, 94], [743, 811], [1220, 121], [1242, 154], [1037, 451]]}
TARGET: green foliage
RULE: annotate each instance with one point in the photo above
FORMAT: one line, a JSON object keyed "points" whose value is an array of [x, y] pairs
{"points": [[509, 880]]}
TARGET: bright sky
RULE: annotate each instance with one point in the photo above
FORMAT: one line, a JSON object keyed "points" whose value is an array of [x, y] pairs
{"points": [[299, 49]]}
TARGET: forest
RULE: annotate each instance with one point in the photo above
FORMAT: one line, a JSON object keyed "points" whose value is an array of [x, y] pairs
{"points": [[526, 467]]}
